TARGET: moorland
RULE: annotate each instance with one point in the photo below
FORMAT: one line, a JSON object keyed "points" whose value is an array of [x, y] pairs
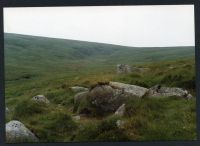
{"points": [[50, 67]]}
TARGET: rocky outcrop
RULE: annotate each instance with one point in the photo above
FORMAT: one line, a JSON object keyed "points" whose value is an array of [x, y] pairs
{"points": [[108, 97], [120, 111], [159, 91], [40, 98], [77, 89], [131, 90], [17, 132], [123, 68]]}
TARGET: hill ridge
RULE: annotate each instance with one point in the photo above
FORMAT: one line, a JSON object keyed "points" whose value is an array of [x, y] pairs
{"points": [[83, 41]]}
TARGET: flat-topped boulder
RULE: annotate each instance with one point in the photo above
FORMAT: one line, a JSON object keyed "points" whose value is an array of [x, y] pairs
{"points": [[131, 90], [40, 98], [17, 132], [160, 91]]}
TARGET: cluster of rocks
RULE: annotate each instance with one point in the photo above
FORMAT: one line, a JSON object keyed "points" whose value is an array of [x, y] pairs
{"points": [[124, 68], [105, 97], [129, 90], [111, 96]]}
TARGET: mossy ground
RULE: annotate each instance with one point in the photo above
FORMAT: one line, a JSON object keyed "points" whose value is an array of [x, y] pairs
{"points": [[145, 119]]}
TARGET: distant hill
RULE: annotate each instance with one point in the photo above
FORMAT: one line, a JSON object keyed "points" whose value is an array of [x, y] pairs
{"points": [[35, 53], [31, 48]]}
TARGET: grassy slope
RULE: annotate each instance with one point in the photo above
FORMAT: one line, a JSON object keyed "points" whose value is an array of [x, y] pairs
{"points": [[47, 53], [37, 65]]}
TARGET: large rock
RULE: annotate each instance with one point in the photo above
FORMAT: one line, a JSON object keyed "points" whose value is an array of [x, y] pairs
{"points": [[40, 98], [77, 89], [101, 97], [17, 132], [131, 90], [105, 98], [159, 91], [123, 68]]}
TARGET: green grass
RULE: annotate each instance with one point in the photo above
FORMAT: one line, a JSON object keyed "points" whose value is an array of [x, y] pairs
{"points": [[181, 75], [105, 130], [155, 119], [37, 65]]}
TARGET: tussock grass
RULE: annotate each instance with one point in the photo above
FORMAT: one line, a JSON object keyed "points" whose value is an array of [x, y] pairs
{"points": [[105, 130]]}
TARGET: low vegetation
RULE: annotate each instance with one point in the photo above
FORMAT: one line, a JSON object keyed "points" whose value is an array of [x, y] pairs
{"points": [[51, 66]]}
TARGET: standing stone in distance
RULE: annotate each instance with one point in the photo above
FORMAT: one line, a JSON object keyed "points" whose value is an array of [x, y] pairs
{"points": [[123, 68]]}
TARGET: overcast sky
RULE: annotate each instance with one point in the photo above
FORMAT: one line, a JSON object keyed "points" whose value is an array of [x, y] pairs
{"points": [[148, 26]]}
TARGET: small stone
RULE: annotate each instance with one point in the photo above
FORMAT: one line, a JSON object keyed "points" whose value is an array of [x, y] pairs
{"points": [[76, 118], [77, 89], [120, 123], [189, 96], [120, 111], [40, 98], [7, 110]]}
